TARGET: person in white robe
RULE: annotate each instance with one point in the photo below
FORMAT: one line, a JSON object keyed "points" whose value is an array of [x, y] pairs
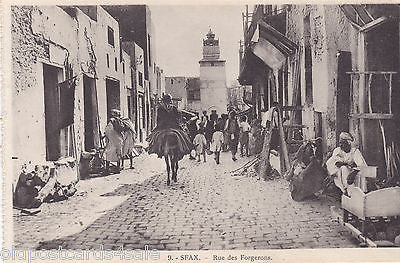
{"points": [[344, 163]]}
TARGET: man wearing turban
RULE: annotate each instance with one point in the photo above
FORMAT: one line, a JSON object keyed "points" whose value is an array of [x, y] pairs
{"points": [[344, 162]]}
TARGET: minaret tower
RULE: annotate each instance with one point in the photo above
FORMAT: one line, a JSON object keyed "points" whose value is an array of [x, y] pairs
{"points": [[213, 87]]}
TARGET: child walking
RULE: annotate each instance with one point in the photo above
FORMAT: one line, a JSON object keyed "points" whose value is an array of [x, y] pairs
{"points": [[217, 142], [200, 143]]}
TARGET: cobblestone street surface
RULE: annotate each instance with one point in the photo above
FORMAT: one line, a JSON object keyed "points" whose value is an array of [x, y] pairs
{"points": [[206, 209]]}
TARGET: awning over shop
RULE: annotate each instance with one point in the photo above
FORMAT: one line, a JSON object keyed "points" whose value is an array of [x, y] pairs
{"points": [[272, 47], [250, 64]]}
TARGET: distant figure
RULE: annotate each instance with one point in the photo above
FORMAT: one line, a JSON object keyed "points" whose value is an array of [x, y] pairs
{"points": [[204, 119], [214, 116], [193, 128], [255, 137], [209, 130], [269, 118], [225, 145], [244, 136], [217, 141], [344, 162], [200, 144], [233, 130], [266, 116]]}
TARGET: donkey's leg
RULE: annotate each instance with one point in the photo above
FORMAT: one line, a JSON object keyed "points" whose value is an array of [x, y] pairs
{"points": [[119, 165], [168, 168], [176, 170], [131, 160], [173, 163], [171, 158]]}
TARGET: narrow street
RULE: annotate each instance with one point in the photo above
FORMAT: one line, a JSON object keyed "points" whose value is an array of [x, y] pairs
{"points": [[311, 89], [206, 209]]}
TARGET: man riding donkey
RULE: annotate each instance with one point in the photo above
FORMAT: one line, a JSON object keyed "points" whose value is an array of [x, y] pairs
{"points": [[168, 139]]}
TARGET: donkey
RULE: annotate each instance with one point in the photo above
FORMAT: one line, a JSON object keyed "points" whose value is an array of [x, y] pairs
{"points": [[171, 155]]}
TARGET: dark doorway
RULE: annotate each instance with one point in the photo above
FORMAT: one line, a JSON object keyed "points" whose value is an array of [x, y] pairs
{"points": [[343, 93], [91, 113], [308, 61], [51, 76], [113, 96]]}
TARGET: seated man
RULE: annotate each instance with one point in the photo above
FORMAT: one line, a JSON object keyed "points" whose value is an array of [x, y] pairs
{"points": [[344, 162]]}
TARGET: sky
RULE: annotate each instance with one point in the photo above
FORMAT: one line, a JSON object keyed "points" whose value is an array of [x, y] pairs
{"points": [[179, 31]]}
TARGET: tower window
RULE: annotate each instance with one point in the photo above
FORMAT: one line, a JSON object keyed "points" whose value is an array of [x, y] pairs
{"points": [[172, 81], [108, 61], [116, 64]]}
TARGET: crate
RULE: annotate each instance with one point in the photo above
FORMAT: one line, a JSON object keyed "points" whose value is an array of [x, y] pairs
{"points": [[380, 203]]}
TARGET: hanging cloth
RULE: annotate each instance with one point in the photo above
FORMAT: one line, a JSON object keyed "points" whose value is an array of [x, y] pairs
{"points": [[67, 98]]}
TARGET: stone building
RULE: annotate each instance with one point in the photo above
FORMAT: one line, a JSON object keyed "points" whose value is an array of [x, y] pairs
{"points": [[213, 88], [176, 87], [337, 65], [137, 95], [53, 45], [193, 93], [136, 25], [69, 70]]}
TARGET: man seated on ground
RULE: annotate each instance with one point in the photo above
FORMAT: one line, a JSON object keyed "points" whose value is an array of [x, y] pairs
{"points": [[342, 166]]}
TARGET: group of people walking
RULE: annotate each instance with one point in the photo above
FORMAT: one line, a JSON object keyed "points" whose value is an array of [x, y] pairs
{"points": [[215, 134]]}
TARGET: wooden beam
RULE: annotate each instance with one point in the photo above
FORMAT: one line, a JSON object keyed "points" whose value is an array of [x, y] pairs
{"points": [[372, 116], [292, 108], [390, 93], [371, 72], [369, 93], [355, 25], [371, 25], [296, 126], [369, 14], [358, 15]]}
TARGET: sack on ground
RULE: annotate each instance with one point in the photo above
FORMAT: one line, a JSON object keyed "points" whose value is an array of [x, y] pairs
{"points": [[307, 182]]}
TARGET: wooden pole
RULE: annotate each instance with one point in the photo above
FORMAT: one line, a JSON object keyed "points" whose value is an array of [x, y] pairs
{"points": [[369, 93], [276, 75], [264, 160], [284, 152], [390, 93]]}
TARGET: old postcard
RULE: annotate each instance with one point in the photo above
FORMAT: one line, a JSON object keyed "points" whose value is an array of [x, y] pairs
{"points": [[213, 132]]}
